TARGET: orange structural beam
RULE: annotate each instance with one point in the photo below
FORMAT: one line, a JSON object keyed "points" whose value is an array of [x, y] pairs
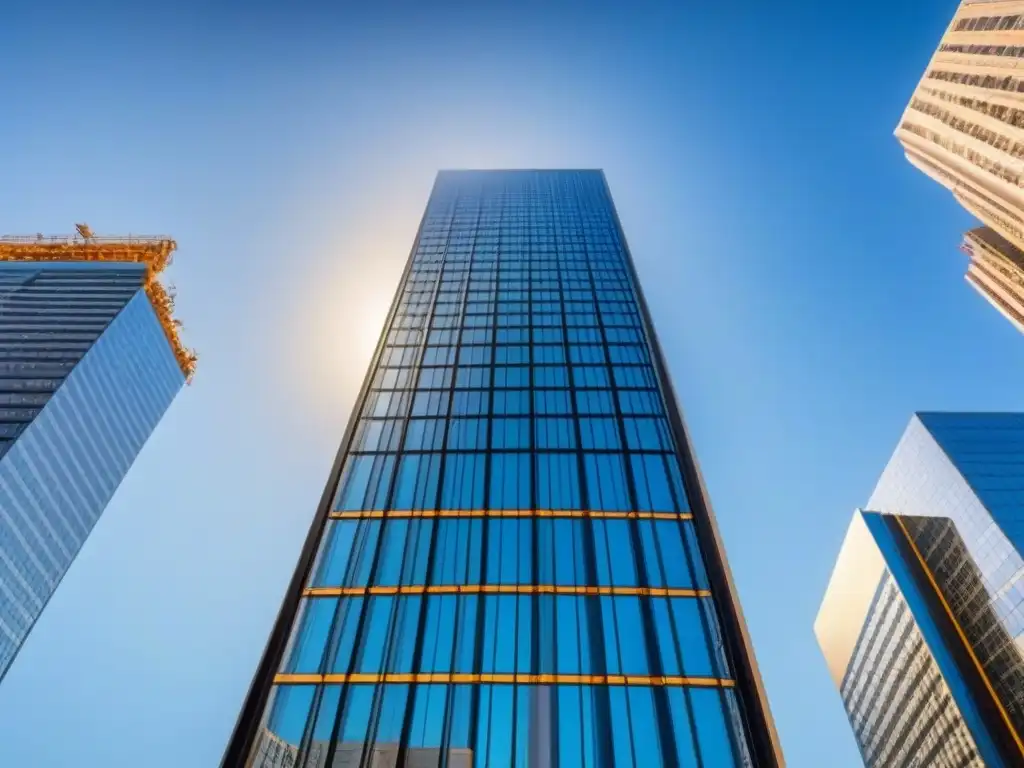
{"points": [[574, 513], [502, 678], [963, 635], [503, 589], [153, 252]]}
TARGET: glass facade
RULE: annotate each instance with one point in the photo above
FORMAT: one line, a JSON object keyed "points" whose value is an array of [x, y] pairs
{"points": [[899, 705], [950, 598], [86, 372], [509, 569]]}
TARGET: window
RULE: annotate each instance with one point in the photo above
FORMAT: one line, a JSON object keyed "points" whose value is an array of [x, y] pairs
{"points": [[435, 378], [511, 376], [416, 486], [586, 353], [602, 433], [377, 435], [458, 551], [550, 376], [438, 355], [381, 404], [510, 481], [606, 482], [511, 402], [430, 403], [649, 434], [513, 336], [474, 356], [463, 481], [552, 401], [424, 434], [558, 484], [549, 354], [313, 620], [392, 378], [473, 378], [594, 401], [335, 549], [590, 376], [650, 478], [634, 376], [470, 403], [510, 433], [438, 338], [639, 402], [365, 482], [512, 355], [467, 434]]}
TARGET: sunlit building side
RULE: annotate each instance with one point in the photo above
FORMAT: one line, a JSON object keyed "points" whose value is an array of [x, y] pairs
{"points": [[922, 625]]}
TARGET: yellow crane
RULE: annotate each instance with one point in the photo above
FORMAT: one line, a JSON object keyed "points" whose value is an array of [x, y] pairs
{"points": [[152, 251]]}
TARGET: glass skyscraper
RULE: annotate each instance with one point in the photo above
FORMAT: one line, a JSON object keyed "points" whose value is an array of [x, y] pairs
{"points": [[514, 562], [923, 621], [89, 361]]}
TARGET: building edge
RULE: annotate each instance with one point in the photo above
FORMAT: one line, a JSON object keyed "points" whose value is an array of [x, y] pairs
{"points": [[763, 734]]}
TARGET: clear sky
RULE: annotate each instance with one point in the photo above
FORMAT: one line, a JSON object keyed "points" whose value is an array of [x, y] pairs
{"points": [[804, 279]]}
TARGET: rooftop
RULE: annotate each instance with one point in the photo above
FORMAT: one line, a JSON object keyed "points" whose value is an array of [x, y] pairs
{"points": [[152, 251]]}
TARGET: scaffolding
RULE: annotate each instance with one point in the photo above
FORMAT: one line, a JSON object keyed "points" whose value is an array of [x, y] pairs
{"points": [[152, 251]]}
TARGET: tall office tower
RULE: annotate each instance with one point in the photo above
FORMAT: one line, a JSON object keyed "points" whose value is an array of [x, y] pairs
{"points": [[922, 625], [964, 126], [90, 359], [514, 561]]}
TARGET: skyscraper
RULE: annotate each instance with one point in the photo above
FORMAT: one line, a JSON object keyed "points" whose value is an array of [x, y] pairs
{"points": [[514, 558], [90, 358], [922, 625], [964, 127]]}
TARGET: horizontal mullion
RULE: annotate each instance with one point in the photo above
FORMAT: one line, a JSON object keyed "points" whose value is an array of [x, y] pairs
{"points": [[545, 513], [536, 451], [504, 589], [519, 678]]}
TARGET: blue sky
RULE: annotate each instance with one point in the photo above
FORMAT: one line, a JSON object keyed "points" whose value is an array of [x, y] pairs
{"points": [[804, 279]]}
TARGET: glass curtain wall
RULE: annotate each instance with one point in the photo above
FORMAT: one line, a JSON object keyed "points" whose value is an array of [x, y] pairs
{"points": [[509, 573], [86, 373]]}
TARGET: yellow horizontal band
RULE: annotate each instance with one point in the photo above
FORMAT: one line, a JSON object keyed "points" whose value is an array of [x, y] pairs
{"points": [[513, 679], [574, 513], [502, 589]]}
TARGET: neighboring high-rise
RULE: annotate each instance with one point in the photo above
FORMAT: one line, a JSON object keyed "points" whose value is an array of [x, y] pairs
{"points": [[964, 127], [90, 358], [922, 625], [514, 560]]}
